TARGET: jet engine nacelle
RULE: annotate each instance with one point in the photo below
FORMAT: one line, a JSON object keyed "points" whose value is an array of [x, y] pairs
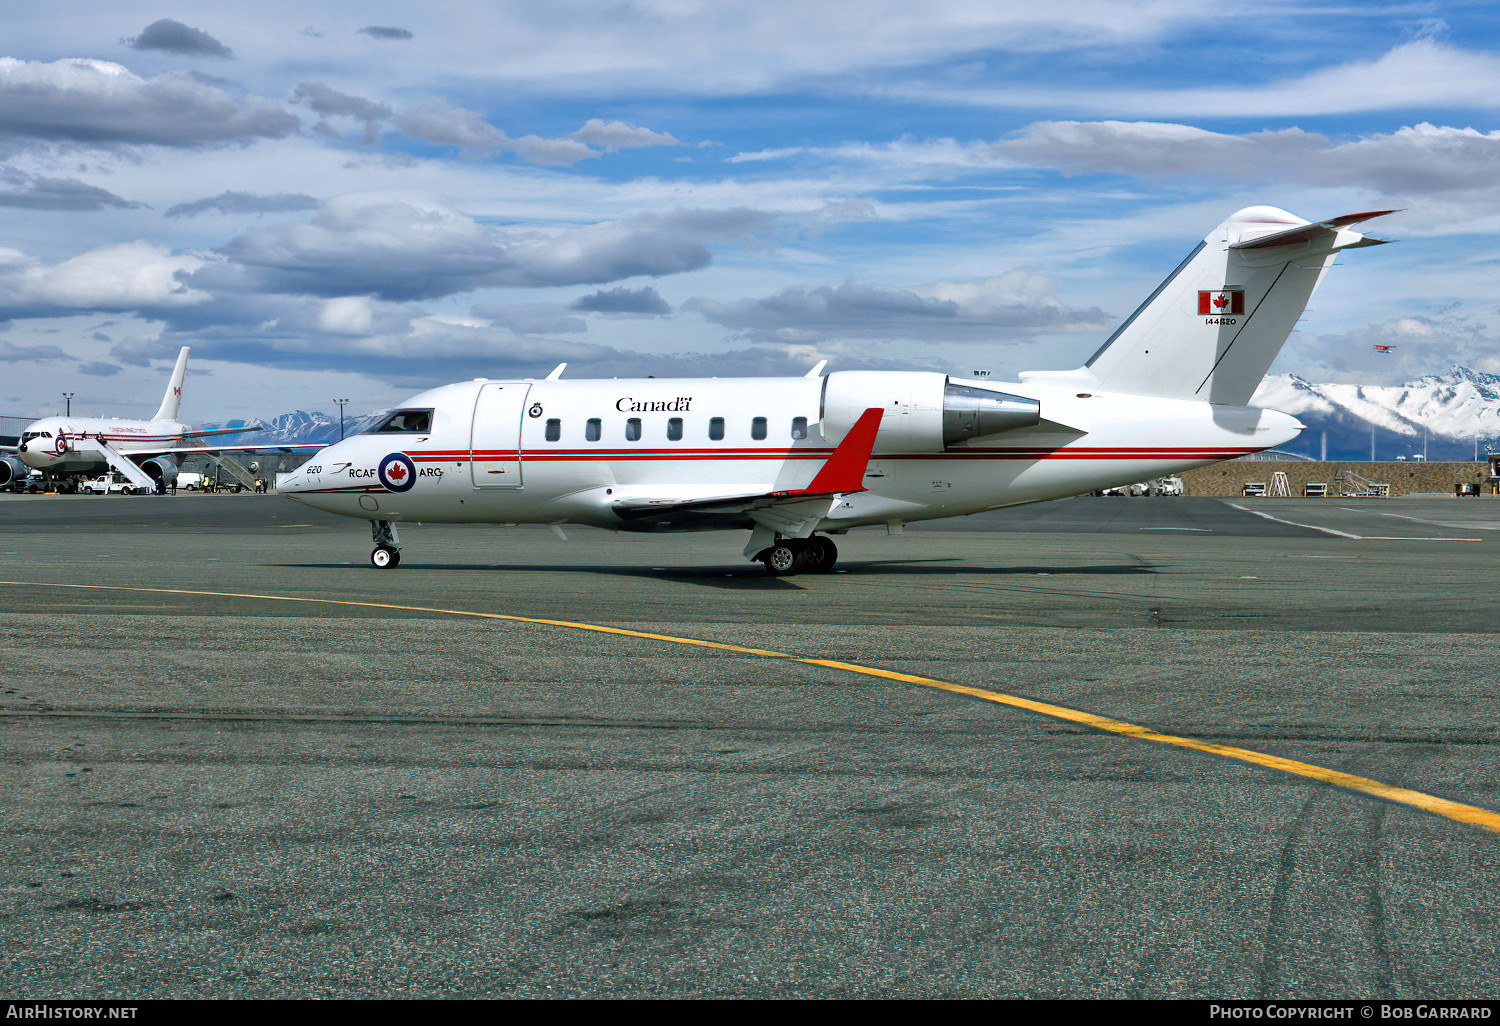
{"points": [[162, 470], [11, 471], [924, 411]]}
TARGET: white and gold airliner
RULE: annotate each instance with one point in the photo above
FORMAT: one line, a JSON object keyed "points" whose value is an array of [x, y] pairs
{"points": [[146, 452]]}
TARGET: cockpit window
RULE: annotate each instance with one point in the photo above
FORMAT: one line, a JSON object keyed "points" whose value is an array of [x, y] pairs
{"points": [[400, 422], [27, 435]]}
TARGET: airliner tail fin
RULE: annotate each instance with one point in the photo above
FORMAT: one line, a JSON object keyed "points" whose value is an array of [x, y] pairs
{"points": [[173, 397], [1212, 329]]}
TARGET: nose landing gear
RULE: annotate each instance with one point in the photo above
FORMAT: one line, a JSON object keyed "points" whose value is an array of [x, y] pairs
{"points": [[387, 553]]}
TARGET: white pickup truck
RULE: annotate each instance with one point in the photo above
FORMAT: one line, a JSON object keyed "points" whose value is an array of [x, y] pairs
{"points": [[110, 483]]}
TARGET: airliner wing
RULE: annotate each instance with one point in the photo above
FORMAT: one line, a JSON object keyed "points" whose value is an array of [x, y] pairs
{"points": [[214, 450], [221, 431], [788, 510]]}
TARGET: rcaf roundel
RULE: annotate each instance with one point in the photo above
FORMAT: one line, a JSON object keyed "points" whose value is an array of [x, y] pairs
{"points": [[397, 472], [1225, 301]]}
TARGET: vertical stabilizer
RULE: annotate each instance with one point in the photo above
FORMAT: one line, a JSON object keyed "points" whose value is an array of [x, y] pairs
{"points": [[1211, 330], [173, 397]]}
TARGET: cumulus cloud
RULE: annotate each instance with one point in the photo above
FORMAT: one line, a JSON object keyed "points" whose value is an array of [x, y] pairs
{"points": [[103, 104], [449, 126], [11, 353], [535, 149], [99, 369], [645, 300], [401, 247], [126, 276], [175, 37], [1422, 74], [230, 202], [617, 135], [384, 32], [34, 192], [1014, 305], [328, 102], [1423, 160]]}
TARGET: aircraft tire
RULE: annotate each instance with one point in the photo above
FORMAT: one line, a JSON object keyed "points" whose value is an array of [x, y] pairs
{"points": [[385, 557], [782, 559], [819, 555]]}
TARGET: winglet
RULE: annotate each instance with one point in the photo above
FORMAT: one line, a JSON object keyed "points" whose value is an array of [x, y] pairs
{"points": [[845, 470], [817, 369], [556, 372]]}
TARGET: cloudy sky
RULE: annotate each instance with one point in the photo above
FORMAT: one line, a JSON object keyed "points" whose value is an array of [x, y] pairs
{"points": [[362, 200]]}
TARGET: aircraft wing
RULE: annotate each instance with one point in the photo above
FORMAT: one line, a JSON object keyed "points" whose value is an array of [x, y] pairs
{"points": [[214, 450], [221, 431], [789, 511]]}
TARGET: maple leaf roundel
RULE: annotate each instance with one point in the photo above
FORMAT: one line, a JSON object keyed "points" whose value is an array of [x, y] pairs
{"points": [[397, 472]]}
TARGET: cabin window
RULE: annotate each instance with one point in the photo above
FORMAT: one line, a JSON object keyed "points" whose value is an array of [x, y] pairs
{"points": [[554, 429], [633, 429], [593, 429], [716, 429], [674, 429], [758, 429], [799, 427]]}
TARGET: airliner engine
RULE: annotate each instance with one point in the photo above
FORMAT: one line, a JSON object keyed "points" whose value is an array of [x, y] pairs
{"points": [[923, 411], [163, 471], [11, 471]]}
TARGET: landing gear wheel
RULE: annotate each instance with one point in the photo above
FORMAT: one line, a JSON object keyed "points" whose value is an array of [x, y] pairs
{"points": [[819, 555], [782, 559], [384, 557]]}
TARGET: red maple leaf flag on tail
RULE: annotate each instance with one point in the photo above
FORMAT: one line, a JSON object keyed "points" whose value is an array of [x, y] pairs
{"points": [[1224, 302]]}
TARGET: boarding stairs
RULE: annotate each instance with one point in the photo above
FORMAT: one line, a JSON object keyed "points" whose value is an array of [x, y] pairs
{"points": [[233, 468], [116, 460], [1357, 486]]}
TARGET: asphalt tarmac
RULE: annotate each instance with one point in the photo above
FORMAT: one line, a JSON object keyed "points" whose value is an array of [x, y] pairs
{"points": [[237, 761]]}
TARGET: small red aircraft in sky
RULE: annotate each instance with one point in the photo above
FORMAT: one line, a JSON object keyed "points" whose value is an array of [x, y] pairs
{"points": [[1384, 349]]}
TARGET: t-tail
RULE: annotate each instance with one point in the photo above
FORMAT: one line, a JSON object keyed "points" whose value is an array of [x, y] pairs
{"points": [[1212, 329], [173, 397]]}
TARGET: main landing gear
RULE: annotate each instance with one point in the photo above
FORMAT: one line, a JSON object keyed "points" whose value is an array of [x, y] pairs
{"points": [[815, 555], [387, 552]]}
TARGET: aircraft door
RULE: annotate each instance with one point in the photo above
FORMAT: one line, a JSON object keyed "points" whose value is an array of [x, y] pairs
{"points": [[495, 440]]}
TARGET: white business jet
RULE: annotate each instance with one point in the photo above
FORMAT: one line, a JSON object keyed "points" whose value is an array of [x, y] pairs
{"points": [[145, 452], [794, 460]]}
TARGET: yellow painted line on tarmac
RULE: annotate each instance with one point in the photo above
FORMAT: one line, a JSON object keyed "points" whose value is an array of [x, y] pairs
{"points": [[1471, 814]]}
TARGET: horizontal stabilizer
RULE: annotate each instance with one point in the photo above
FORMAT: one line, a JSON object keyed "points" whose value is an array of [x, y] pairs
{"points": [[1309, 232]]}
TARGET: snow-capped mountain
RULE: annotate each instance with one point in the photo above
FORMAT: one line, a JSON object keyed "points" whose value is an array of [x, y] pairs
{"points": [[296, 428], [1450, 412]]}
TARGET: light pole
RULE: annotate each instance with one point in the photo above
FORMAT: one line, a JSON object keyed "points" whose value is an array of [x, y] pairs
{"points": [[69, 397], [341, 403]]}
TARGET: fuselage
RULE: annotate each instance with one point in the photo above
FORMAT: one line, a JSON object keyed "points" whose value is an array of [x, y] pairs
{"points": [[50, 444], [573, 452]]}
